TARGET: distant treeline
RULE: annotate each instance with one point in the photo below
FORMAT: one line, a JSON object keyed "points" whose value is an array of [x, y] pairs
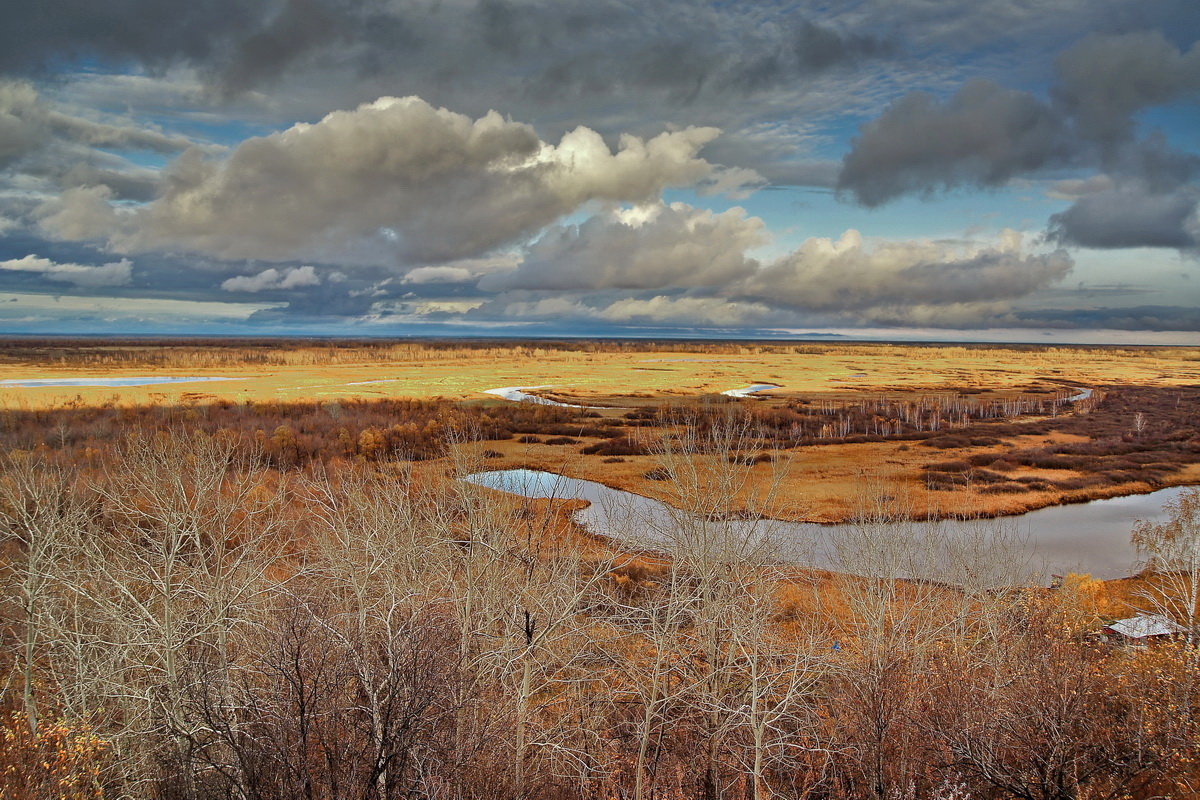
{"points": [[192, 353]]}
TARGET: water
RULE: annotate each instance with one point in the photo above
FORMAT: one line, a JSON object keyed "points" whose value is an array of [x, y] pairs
{"points": [[749, 390], [1085, 537], [148, 381], [518, 394]]}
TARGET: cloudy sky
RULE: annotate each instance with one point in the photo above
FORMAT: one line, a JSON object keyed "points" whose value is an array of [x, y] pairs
{"points": [[947, 169]]}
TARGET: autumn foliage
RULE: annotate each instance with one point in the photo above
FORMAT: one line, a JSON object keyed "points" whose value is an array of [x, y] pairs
{"points": [[198, 611]]}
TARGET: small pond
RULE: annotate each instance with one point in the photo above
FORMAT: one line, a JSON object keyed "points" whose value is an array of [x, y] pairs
{"points": [[144, 381]]}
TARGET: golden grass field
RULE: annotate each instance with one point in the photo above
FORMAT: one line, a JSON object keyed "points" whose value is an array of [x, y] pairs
{"points": [[599, 377], [820, 483]]}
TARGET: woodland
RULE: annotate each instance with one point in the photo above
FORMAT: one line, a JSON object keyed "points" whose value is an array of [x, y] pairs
{"points": [[303, 600]]}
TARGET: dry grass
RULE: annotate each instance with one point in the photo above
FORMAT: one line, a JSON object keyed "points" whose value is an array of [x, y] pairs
{"points": [[315, 389], [596, 373]]}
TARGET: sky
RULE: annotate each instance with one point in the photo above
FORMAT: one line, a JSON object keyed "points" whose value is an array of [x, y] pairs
{"points": [[1008, 170]]}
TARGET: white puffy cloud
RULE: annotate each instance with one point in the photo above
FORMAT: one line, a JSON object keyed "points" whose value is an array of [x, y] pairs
{"points": [[679, 265], [272, 278], [398, 180], [848, 274], [699, 311], [643, 248], [444, 274], [80, 214], [117, 273]]}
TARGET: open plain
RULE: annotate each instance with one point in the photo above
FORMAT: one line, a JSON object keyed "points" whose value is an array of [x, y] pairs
{"points": [[959, 430]]}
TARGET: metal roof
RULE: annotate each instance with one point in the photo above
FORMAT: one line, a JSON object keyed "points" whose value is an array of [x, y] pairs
{"points": [[1144, 625]]}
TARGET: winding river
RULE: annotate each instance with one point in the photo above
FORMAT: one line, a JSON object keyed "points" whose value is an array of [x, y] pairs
{"points": [[1085, 537]]}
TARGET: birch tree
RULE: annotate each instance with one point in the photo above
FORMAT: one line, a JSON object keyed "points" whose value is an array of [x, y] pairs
{"points": [[522, 579], [42, 519], [1171, 553], [178, 573]]}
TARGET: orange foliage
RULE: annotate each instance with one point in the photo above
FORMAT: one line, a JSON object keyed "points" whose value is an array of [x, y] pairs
{"points": [[61, 760]]}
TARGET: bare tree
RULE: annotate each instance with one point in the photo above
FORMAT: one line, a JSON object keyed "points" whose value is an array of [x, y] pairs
{"points": [[42, 519], [1171, 553], [1049, 715], [908, 588], [781, 668], [300, 726], [176, 574], [522, 578], [709, 623]]}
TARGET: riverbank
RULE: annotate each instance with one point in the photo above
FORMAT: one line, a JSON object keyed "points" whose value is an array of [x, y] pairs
{"points": [[1092, 538]]}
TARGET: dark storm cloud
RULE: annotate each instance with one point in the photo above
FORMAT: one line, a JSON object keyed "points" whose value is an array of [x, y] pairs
{"points": [[984, 136], [574, 45], [1105, 80], [46, 148], [1129, 217], [37, 35], [1137, 318], [611, 64]]}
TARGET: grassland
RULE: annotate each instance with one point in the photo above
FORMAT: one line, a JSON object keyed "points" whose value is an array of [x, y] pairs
{"points": [[1138, 434], [296, 547]]}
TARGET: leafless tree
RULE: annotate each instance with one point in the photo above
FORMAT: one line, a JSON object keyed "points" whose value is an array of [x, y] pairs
{"points": [[298, 724], [1171, 553], [521, 581], [176, 573], [42, 519], [908, 588], [709, 622]]}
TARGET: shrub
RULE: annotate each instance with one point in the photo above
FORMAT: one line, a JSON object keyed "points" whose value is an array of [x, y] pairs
{"points": [[621, 446], [562, 440]]}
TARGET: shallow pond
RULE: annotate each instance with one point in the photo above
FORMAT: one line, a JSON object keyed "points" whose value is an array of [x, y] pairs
{"points": [[519, 394], [145, 381], [751, 389], [1085, 537]]}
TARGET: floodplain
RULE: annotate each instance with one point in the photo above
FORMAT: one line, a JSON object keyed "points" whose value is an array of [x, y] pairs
{"points": [[964, 430]]}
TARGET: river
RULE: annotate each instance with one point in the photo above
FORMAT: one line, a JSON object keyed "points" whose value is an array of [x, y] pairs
{"points": [[1091, 537]]}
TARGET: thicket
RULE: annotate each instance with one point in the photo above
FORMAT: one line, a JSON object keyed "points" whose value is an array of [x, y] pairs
{"points": [[290, 434], [181, 620], [1134, 434], [1122, 435]]}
